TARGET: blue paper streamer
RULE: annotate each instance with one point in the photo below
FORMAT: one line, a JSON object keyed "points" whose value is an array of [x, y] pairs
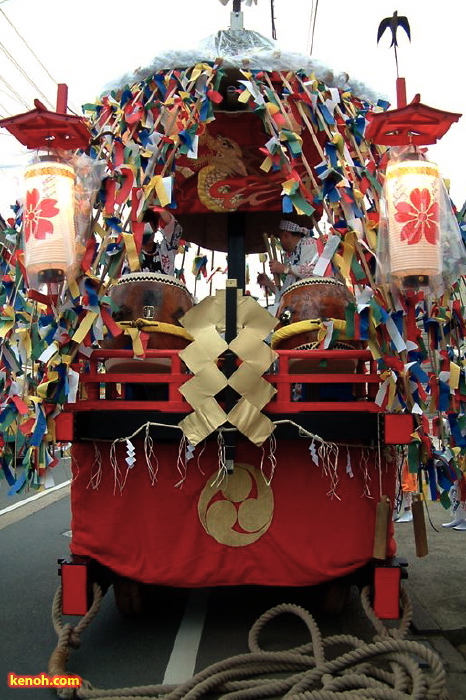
{"points": [[39, 430], [364, 324], [460, 440], [9, 476], [18, 485], [418, 373], [287, 205], [432, 480]]}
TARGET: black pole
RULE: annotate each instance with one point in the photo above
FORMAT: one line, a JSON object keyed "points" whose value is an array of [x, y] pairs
{"points": [[236, 253], [236, 5], [236, 280], [229, 367]]}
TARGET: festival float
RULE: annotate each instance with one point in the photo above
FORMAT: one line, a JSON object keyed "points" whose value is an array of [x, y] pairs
{"points": [[213, 442]]}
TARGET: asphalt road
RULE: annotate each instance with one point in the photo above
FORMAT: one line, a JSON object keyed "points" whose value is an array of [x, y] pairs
{"points": [[182, 633], [59, 474]]}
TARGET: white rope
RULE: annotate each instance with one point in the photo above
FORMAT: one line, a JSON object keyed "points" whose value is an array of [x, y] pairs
{"points": [[388, 668], [327, 455]]}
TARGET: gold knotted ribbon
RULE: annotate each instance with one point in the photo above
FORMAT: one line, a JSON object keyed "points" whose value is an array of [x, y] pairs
{"points": [[205, 322]]}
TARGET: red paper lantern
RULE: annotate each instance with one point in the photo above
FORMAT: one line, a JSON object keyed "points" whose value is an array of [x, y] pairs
{"points": [[48, 222], [412, 191]]}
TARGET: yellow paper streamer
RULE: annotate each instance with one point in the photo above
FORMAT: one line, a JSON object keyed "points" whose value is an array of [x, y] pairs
{"points": [[455, 372], [9, 312], [99, 230], [344, 261], [24, 343], [131, 252], [84, 327], [244, 96], [135, 335], [42, 388], [266, 164], [161, 192], [74, 288], [288, 185]]}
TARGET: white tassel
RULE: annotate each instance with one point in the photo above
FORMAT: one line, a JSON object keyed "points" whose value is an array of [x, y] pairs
{"points": [[365, 470], [150, 455], [272, 459], [96, 470], [181, 462], [199, 456], [115, 467], [328, 454], [222, 472]]}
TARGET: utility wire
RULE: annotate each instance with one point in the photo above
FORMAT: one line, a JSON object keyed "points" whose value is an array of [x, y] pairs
{"points": [[23, 73], [35, 56], [3, 109], [309, 29], [312, 23], [13, 91], [29, 48]]}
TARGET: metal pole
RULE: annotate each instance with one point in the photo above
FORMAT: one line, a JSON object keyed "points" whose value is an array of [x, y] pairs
{"points": [[236, 16]]}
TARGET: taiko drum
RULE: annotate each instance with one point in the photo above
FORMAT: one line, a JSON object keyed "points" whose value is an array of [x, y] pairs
{"points": [[308, 299], [314, 298], [148, 296]]}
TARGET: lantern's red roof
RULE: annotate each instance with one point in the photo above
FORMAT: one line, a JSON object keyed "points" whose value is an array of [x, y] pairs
{"points": [[40, 128], [415, 123]]}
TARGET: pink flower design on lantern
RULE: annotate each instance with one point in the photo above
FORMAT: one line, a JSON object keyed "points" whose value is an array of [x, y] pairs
{"points": [[420, 216], [37, 215]]}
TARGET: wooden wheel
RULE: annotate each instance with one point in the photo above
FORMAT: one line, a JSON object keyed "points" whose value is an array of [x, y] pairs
{"points": [[129, 596], [334, 597]]}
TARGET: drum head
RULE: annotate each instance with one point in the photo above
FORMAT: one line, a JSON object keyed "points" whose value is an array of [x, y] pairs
{"points": [[155, 277], [310, 281]]}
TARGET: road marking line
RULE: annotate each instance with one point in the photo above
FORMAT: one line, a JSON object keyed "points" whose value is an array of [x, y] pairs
{"points": [[182, 661], [36, 496]]}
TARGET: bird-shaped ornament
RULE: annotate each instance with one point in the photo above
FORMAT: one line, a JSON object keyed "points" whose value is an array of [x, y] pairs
{"points": [[393, 23]]}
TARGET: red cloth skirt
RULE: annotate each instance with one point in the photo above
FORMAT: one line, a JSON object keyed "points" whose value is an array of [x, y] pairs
{"points": [[310, 524]]}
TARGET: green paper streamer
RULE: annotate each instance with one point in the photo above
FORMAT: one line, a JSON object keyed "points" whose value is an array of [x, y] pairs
{"points": [[445, 500], [349, 318], [413, 457]]}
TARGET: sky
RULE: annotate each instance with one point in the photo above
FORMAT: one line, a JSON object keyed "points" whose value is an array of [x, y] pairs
{"points": [[91, 43]]}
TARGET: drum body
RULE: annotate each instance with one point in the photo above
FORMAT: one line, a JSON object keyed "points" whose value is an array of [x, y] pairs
{"points": [[148, 297], [308, 299], [314, 298]]}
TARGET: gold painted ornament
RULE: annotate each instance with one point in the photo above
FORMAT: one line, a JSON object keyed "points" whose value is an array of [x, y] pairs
{"points": [[237, 511]]}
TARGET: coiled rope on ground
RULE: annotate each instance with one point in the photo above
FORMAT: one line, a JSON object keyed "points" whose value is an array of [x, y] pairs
{"points": [[388, 668]]}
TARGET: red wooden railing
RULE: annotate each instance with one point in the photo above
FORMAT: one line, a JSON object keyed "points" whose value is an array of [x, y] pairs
{"points": [[109, 389]]}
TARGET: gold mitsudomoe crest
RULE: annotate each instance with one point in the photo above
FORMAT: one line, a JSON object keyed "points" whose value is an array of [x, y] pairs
{"points": [[239, 510]]}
